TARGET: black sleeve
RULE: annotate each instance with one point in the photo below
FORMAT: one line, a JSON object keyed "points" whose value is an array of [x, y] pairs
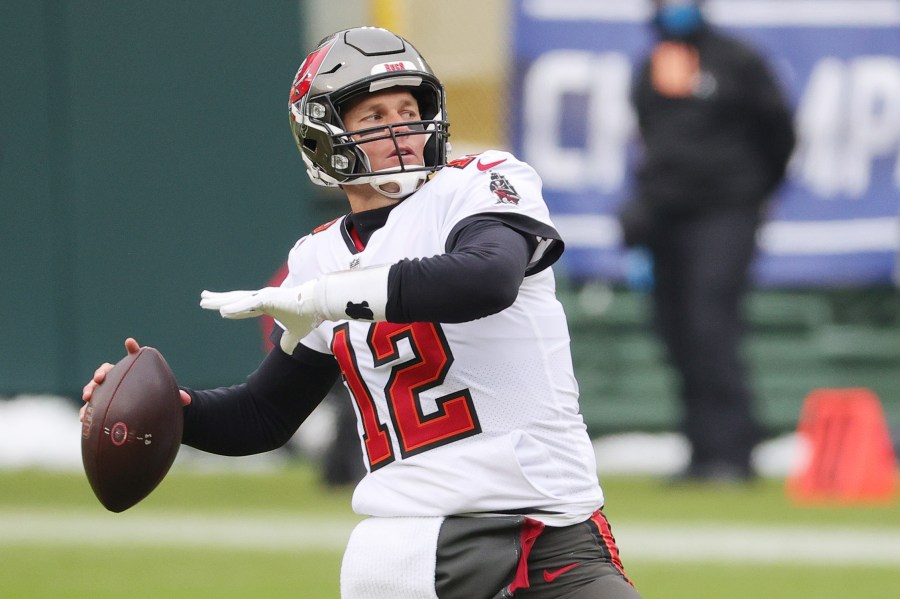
{"points": [[480, 275], [262, 413], [774, 126]]}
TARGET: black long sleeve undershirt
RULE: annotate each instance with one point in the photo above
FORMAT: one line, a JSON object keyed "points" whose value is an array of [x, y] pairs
{"points": [[480, 275], [262, 413]]}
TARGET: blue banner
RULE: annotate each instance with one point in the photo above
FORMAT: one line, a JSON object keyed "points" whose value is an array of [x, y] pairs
{"points": [[836, 221]]}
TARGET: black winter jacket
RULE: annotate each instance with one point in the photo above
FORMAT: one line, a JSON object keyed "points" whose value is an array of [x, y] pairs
{"points": [[727, 144]]}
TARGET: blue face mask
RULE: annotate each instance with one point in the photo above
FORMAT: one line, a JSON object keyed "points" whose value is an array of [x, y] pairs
{"points": [[679, 20]]}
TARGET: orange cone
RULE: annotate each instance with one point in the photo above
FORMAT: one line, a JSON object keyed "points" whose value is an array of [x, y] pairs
{"points": [[851, 458]]}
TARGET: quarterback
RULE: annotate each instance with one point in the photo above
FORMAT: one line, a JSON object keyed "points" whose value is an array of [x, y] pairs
{"points": [[434, 300]]}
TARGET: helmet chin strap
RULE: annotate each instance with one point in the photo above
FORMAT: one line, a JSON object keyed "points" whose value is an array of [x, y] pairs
{"points": [[398, 185]]}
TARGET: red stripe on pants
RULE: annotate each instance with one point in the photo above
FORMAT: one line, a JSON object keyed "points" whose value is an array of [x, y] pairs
{"points": [[609, 541]]}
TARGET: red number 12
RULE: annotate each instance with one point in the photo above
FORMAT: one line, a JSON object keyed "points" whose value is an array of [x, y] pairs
{"points": [[455, 417]]}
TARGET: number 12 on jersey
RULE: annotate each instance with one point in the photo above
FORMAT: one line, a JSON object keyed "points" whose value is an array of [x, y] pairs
{"points": [[415, 431]]}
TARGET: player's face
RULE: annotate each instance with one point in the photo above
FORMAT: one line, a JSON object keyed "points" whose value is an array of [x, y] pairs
{"points": [[387, 107]]}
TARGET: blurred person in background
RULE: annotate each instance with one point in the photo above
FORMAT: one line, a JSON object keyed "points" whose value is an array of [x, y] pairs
{"points": [[716, 135], [435, 301]]}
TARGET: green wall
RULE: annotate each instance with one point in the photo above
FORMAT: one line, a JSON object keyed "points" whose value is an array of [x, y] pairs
{"points": [[144, 156]]}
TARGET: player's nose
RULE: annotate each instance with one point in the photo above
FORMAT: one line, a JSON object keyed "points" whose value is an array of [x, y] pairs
{"points": [[399, 121]]}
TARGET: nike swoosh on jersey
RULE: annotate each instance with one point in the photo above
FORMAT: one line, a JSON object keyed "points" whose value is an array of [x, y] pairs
{"points": [[483, 167], [551, 576]]}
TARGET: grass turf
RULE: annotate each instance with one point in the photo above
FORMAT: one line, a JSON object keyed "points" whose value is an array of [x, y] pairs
{"points": [[64, 569]]}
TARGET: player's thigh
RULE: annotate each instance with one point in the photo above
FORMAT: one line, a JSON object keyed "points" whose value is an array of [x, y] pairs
{"points": [[594, 579], [577, 561], [606, 587]]}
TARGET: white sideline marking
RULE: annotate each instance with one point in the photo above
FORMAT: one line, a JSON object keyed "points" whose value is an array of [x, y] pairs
{"points": [[269, 532], [705, 542], [765, 544]]}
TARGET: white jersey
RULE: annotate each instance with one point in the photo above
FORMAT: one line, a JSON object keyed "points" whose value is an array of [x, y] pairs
{"points": [[469, 418]]}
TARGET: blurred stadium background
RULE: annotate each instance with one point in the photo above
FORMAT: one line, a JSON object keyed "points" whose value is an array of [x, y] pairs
{"points": [[144, 156]]}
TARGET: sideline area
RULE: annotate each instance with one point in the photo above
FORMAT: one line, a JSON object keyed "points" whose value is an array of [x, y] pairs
{"points": [[42, 434], [709, 541]]}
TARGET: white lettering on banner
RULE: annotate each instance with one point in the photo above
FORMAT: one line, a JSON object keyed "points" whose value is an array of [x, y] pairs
{"points": [[604, 80], [776, 238], [848, 116]]}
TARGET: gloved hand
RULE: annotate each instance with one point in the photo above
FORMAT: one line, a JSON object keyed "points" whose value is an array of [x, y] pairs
{"points": [[296, 308], [352, 294]]}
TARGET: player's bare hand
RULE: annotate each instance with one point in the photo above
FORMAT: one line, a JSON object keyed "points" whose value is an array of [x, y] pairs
{"points": [[131, 346]]}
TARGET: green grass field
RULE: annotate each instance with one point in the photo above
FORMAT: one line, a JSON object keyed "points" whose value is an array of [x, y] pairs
{"points": [[280, 534]]}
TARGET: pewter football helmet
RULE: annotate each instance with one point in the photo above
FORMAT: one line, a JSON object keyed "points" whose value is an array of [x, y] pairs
{"points": [[344, 66]]}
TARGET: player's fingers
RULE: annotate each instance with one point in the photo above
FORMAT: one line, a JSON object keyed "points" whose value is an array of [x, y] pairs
{"points": [[239, 310], [100, 373], [289, 342], [81, 413], [99, 377], [248, 306], [131, 345], [214, 300], [185, 398]]}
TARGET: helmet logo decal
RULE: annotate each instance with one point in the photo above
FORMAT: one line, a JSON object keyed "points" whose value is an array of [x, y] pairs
{"points": [[393, 67], [307, 72]]}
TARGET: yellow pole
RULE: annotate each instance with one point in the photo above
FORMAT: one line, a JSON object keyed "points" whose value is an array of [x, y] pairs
{"points": [[390, 14]]}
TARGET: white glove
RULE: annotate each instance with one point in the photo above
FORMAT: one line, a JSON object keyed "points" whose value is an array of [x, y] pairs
{"points": [[350, 294], [295, 308]]}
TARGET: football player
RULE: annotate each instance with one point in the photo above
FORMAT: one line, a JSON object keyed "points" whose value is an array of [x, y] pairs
{"points": [[434, 301]]}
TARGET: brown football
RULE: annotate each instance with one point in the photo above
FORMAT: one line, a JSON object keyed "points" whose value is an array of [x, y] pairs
{"points": [[132, 428]]}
